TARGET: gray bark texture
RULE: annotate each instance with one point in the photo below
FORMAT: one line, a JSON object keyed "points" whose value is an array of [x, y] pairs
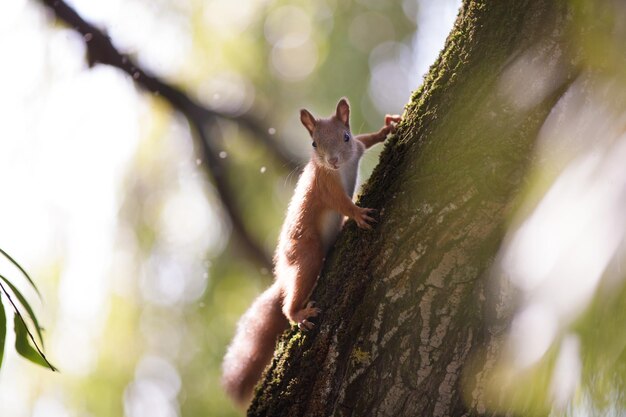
{"points": [[413, 316]]}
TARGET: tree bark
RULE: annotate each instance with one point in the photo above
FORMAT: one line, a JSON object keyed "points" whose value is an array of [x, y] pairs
{"points": [[413, 317]]}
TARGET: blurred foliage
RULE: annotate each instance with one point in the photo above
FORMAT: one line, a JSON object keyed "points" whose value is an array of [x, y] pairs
{"points": [[572, 210]]}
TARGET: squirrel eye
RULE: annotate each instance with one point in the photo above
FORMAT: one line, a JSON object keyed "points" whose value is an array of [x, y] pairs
{"points": [[314, 145], [346, 136]]}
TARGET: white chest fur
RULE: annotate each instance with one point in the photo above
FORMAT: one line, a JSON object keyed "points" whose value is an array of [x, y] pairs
{"points": [[348, 173], [331, 220]]}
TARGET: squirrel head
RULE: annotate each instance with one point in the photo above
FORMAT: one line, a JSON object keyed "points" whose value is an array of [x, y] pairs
{"points": [[333, 144]]}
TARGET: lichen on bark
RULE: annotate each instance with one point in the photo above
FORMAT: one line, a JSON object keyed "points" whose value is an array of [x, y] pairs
{"points": [[405, 306]]}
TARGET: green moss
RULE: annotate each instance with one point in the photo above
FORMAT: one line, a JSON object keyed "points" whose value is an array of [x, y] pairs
{"points": [[359, 356]]}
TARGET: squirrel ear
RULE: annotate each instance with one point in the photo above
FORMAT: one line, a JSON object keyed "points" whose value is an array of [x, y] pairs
{"points": [[307, 120], [343, 111]]}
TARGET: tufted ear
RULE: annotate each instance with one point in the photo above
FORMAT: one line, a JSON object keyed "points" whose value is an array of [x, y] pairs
{"points": [[343, 111], [307, 120]]}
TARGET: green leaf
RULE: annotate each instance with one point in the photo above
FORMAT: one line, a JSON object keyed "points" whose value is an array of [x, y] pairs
{"points": [[24, 347], [14, 262], [3, 330], [25, 304]]}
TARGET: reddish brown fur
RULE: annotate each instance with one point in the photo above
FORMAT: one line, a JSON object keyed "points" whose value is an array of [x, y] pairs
{"points": [[253, 345], [324, 189]]}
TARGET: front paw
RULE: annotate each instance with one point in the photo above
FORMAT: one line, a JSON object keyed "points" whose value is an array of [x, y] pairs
{"points": [[384, 131], [392, 120], [363, 217]]}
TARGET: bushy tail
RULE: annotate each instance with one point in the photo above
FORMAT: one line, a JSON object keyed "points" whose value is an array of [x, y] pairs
{"points": [[253, 345]]}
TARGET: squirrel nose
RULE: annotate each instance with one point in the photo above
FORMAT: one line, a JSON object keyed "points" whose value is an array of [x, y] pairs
{"points": [[333, 161]]}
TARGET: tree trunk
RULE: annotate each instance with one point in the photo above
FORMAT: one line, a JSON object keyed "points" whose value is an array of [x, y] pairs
{"points": [[412, 316]]}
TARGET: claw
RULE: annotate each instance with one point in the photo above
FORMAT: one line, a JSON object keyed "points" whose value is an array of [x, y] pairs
{"points": [[312, 310], [363, 218], [306, 325]]}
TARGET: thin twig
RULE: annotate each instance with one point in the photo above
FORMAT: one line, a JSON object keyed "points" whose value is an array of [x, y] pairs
{"points": [[101, 50]]}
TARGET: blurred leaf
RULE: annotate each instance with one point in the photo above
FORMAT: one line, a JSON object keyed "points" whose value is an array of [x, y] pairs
{"points": [[14, 262], [3, 330], [23, 345], [25, 304]]}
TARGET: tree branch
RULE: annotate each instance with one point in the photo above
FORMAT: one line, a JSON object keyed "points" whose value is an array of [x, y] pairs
{"points": [[101, 50]]}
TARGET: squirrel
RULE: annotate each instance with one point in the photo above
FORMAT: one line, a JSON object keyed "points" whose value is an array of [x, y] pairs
{"points": [[322, 197]]}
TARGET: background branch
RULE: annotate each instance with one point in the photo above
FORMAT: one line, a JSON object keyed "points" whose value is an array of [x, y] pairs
{"points": [[100, 49]]}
